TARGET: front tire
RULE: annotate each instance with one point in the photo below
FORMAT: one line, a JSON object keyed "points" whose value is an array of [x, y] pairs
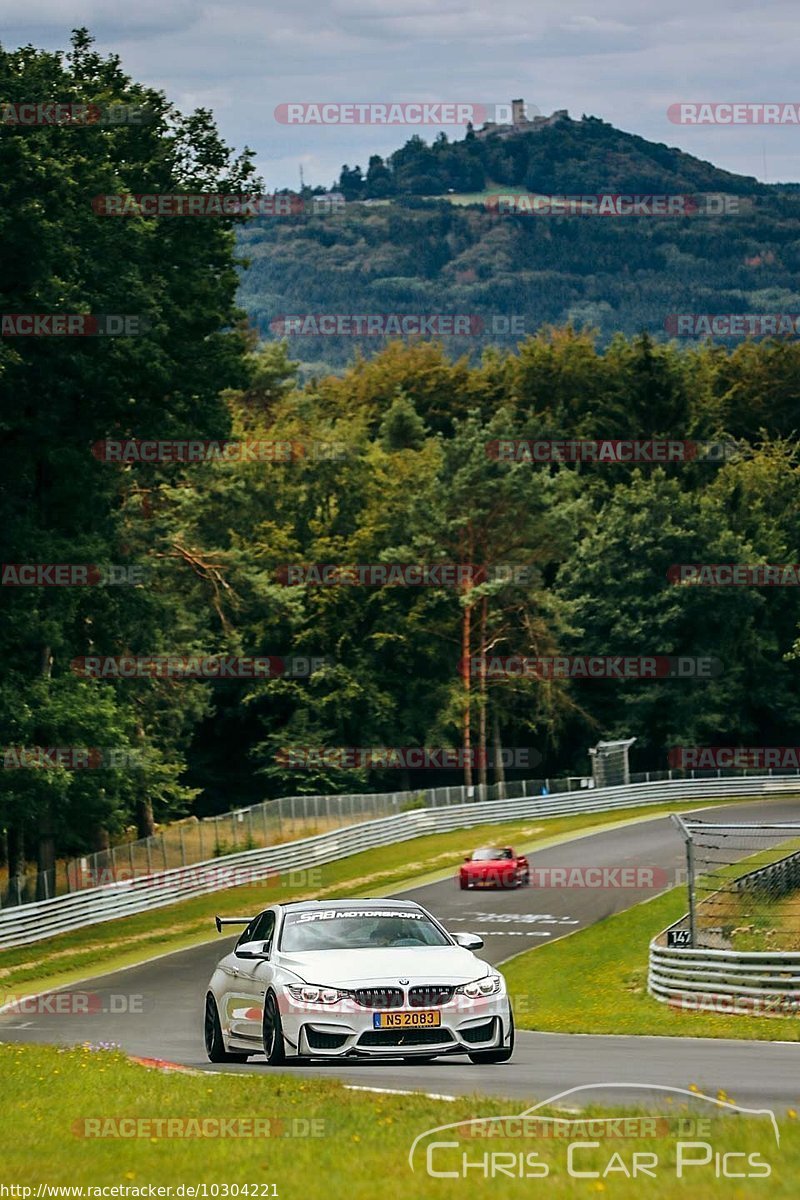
{"points": [[212, 1030], [502, 1054], [274, 1045]]}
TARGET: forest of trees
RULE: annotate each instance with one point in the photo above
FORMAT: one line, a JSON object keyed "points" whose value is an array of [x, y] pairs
{"points": [[616, 274], [412, 482], [568, 156]]}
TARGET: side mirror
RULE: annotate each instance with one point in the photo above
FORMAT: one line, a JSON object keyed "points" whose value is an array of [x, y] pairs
{"points": [[252, 950], [467, 858], [468, 941]]}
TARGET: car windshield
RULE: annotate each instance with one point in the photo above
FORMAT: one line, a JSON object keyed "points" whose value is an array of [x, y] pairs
{"points": [[358, 929], [489, 854]]}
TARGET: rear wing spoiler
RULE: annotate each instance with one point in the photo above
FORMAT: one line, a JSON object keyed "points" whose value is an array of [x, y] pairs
{"points": [[220, 921]]}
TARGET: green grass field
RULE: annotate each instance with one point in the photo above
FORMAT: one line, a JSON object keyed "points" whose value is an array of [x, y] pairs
{"points": [[316, 1139], [595, 981], [67, 958]]}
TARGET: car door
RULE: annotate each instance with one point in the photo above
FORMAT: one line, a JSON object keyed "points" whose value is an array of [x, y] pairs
{"points": [[249, 980]]}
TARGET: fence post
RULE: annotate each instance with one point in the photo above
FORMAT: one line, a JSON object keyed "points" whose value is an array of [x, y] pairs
{"points": [[692, 900], [202, 841], [164, 851], [183, 846], [130, 857], [149, 856]]}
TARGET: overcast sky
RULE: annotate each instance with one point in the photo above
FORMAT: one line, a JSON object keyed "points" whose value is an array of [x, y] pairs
{"points": [[623, 60]]}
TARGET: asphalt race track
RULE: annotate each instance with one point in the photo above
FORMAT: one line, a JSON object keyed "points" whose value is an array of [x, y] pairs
{"points": [[169, 993]]}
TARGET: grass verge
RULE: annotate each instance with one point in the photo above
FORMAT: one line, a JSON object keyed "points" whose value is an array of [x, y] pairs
{"points": [[318, 1139], [595, 981]]}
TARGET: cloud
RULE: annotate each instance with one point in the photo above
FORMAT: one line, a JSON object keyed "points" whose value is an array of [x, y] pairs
{"points": [[625, 63]]}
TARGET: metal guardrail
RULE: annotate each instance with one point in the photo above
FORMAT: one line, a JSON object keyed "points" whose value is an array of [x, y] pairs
{"points": [[756, 982], [287, 819], [45, 918]]}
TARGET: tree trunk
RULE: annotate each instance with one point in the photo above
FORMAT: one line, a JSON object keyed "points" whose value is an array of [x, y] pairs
{"points": [[482, 745], [466, 641], [145, 825], [16, 865], [46, 845], [46, 856], [499, 768]]}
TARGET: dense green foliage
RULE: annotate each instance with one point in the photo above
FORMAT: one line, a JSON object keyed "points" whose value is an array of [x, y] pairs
{"points": [[568, 156], [413, 482], [414, 251]]}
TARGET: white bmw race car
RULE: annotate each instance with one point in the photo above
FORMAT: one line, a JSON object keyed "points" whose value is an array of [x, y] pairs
{"points": [[376, 978]]}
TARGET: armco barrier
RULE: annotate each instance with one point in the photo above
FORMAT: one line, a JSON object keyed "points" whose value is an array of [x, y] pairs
{"points": [[753, 980], [747, 981], [45, 918]]}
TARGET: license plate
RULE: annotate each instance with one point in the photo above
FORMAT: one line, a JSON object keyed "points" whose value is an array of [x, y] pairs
{"points": [[406, 1020]]}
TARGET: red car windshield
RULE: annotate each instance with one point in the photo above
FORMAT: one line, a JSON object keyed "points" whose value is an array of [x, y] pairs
{"points": [[491, 855]]}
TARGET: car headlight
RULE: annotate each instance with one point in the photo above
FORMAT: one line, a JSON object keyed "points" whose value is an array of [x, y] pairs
{"points": [[490, 985], [310, 994]]}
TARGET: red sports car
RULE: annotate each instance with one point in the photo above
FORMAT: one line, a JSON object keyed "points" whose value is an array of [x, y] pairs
{"points": [[494, 866]]}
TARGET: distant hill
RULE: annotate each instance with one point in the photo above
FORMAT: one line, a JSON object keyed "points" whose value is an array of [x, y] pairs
{"points": [[569, 156], [420, 254]]}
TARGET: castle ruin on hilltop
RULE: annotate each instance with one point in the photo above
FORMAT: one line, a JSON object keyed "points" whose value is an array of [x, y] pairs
{"points": [[521, 122]]}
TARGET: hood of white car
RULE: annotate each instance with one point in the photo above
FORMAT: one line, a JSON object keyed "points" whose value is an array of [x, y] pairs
{"points": [[365, 968]]}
